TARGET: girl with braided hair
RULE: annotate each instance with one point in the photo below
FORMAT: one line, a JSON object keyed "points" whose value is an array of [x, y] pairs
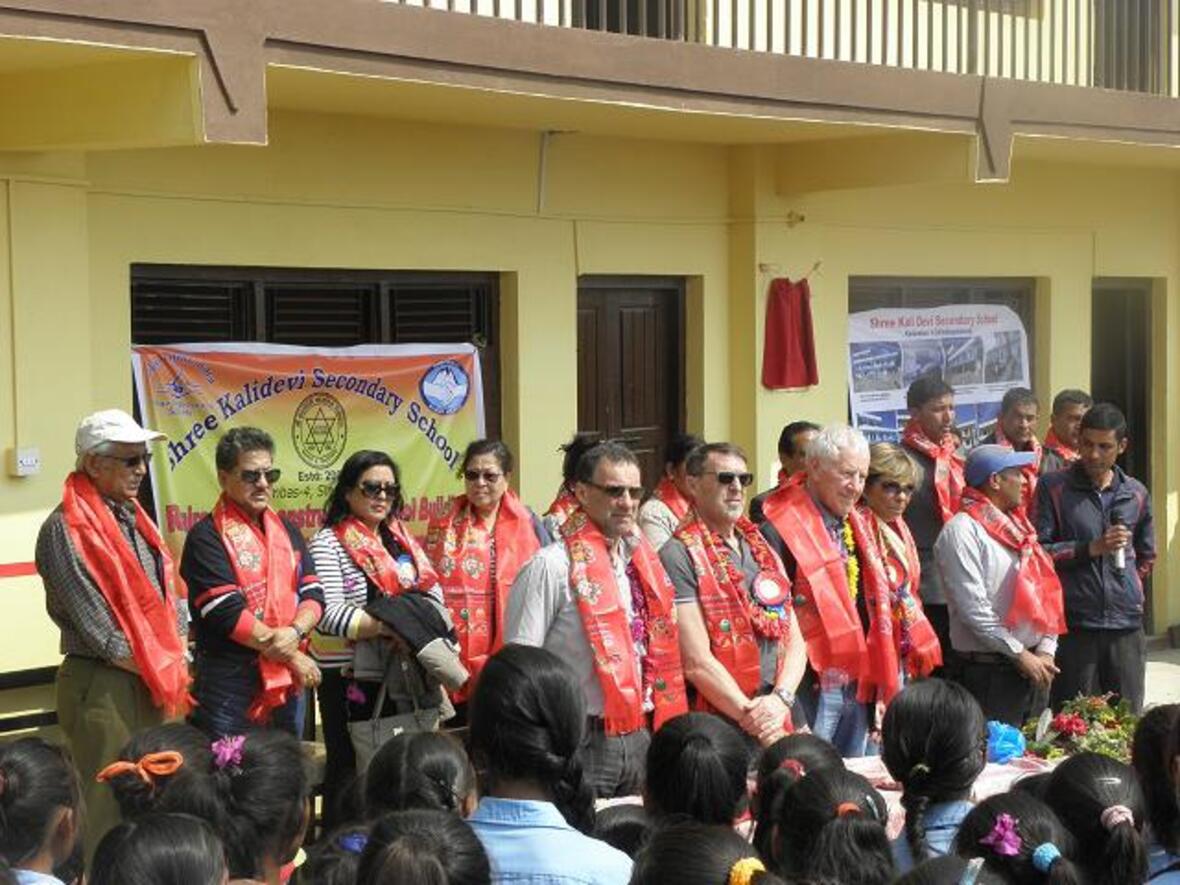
{"points": [[528, 723], [1020, 839], [934, 743], [692, 853], [421, 769]]}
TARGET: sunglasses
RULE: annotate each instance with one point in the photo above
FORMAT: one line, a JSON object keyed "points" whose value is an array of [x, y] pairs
{"points": [[488, 476], [895, 488], [371, 489], [727, 477], [253, 476], [615, 492], [134, 461]]}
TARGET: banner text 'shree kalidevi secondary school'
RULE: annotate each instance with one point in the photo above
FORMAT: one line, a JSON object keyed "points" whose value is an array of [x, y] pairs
{"points": [[420, 403]]}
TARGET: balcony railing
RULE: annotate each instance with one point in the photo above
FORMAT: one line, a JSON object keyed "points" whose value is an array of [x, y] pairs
{"points": [[1128, 45]]}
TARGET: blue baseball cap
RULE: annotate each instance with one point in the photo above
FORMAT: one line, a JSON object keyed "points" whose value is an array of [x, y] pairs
{"points": [[983, 461]]}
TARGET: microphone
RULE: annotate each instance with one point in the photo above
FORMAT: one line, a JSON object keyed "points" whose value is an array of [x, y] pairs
{"points": [[1120, 555]]}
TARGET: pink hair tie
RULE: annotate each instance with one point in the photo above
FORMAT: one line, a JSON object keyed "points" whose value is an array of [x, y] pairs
{"points": [[1115, 815], [794, 766]]}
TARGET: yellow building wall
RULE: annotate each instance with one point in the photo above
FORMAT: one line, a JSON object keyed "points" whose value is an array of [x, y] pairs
{"points": [[344, 192]]}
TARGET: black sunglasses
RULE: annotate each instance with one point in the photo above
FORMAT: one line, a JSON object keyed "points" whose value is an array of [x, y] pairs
{"points": [[371, 489], [253, 476], [488, 476], [134, 461], [636, 492], [896, 488], [727, 477]]}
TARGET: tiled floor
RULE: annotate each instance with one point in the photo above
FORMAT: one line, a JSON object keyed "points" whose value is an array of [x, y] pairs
{"points": [[1163, 676]]}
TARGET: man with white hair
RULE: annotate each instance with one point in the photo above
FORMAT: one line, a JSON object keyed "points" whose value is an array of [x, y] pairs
{"points": [[740, 644], [840, 590], [111, 589]]}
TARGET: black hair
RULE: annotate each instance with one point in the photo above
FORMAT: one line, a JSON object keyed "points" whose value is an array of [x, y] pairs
{"points": [[1018, 396], [948, 870], [624, 826], [695, 465], [1080, 790], [779, 767], [419, 769], [36, 779], [1034, 824], [691, 853], [1152, 750], [786, 438], [264, 802], [679, 447], [236, 442], [191, 789], [527, 719], [925, 388], [159, 849], [336, 857], [696, 767], [337, 508], [934, 743], [612, 451], [493, 447], [425, 848], [1071, 397], [1033, 784], [1105, 416], [579, 444], [7, 877], [832, 824]]}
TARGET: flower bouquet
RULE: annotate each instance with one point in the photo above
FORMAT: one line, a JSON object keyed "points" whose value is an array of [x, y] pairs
{"points": [[1092, 724]]}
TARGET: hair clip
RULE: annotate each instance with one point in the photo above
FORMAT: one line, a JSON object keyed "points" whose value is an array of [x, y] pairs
{"points": [[353, 843], [846, 808], [1044, 856], [794, 766], [1003, 839], [742, 872], [919, 768], [227, 751], [1117, 814], [971, 871], [148, 768]]}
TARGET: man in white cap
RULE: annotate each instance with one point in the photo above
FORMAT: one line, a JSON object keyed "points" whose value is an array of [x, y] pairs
{"points": [[1003, 597], [111, 589]]}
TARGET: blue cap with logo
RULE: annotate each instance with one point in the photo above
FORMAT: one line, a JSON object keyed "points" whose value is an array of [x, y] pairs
{"points": [[983, 461]]}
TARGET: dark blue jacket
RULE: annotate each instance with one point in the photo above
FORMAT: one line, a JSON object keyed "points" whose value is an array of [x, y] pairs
{"points": [[1069, 514]]}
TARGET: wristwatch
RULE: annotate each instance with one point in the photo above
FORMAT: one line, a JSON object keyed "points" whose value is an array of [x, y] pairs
{"points": [[786, 696]]}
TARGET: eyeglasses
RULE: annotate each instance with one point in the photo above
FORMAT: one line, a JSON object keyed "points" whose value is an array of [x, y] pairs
{"points": [[727, 477], [371, 489], [615, 492], [253, 476], [488, 476], [134, 461], [895, 488]]}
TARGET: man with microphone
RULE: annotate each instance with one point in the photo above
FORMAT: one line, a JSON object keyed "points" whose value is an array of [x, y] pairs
{"points": [[1096, 523]]}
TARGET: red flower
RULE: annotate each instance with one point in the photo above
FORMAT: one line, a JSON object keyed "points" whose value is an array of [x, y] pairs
{"points": [[1070, 724]]}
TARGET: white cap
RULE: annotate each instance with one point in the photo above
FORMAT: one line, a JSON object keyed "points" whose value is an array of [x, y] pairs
{"points": [[111, 425]]}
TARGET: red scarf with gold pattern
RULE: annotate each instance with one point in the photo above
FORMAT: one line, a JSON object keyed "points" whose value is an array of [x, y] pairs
{"points": [[626, 682], [369, 553], [1054, 444], [667, 492], [948, 466]]}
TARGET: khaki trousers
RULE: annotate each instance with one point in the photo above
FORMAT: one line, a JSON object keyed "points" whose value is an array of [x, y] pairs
{"points": [[99, 708]]}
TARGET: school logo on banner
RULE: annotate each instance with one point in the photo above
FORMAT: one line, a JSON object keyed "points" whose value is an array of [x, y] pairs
{"points": [[319, 430], [445, 387]]}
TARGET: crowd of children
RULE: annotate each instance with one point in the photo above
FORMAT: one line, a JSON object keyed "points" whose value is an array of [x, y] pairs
{"points": [[512, 805]]}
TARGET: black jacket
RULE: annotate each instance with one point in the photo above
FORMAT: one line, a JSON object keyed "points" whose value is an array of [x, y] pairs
{"points": [[1069, 514]]}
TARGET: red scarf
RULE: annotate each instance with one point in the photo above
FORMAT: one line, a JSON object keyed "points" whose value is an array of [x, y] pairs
{"points": [[264, 567], [735, 616], [824, 602], [916, 642], [476, 587], [948, 466], [1054, 444], [563, 505], [1031, 471], [672, 497], [1037, 598], [625, 685], [371, 556], [146, 617]]}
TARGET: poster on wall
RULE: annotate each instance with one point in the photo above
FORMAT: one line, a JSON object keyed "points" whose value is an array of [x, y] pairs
{"points": [[981, 350], [421, 403]]}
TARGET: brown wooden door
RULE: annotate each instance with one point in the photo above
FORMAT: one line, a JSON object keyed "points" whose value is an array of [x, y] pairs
{"points": [[631, 365]]}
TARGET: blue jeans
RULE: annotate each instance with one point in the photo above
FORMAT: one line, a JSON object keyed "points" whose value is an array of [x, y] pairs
{"points": [[842, 720], [224, 689]]}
